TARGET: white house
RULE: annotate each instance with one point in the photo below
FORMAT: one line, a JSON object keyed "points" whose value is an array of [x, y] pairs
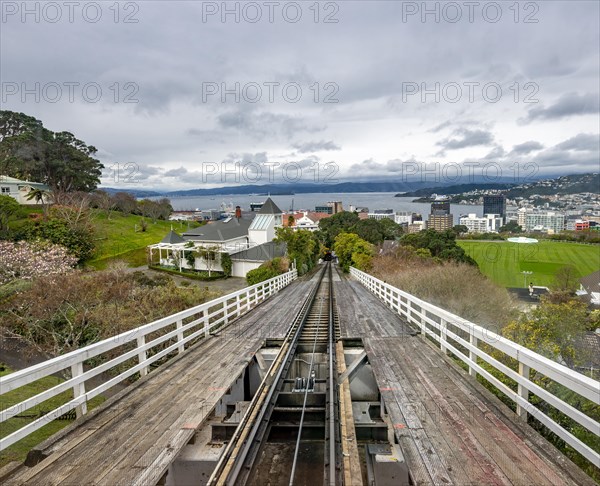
{"points": [[248, 242], [262, 229], [307, 220], [18, 189]]}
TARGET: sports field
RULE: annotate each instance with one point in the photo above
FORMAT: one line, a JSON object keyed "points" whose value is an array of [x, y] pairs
{"points": [[503, 261]]}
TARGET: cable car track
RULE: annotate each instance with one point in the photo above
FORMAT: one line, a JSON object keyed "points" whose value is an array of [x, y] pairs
{"points": [[292, 423]]}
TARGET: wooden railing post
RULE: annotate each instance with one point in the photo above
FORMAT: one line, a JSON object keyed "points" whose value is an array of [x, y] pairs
{"points": [[523, 391], [472, 356], [225, 312], [141, 341], [79, 389], [205, 323], [443, 336], [180, 348]]}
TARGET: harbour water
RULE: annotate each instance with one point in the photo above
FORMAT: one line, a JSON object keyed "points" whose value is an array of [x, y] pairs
{"points": [[371, 200]]}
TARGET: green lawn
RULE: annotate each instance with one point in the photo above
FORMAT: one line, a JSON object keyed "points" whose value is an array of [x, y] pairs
{"points": [[503, 261], [19, 450], [120, 238]]}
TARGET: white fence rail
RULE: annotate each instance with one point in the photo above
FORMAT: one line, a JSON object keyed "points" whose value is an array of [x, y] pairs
{"points": [[172, 334], [455, 334]]}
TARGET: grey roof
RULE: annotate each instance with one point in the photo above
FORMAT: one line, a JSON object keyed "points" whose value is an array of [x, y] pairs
{"points": [[261, 253], [591, 282], [269, 207], [220, 231], [587, 350], [172, 238]]}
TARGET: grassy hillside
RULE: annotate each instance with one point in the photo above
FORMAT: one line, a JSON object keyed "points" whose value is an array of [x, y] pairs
{"points": [[120, 238], [503, 261]]}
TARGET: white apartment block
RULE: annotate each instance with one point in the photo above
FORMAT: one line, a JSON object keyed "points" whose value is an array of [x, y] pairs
{"points": [[548, 222], [403, 217], [489, 223]]}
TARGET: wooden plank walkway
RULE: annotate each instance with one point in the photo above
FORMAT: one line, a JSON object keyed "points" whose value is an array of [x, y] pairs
{"points": [[362, 314], [134, 436], [451, 429]]}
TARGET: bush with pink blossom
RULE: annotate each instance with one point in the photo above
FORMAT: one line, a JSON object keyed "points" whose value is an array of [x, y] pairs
{"points": [[28, 260]]}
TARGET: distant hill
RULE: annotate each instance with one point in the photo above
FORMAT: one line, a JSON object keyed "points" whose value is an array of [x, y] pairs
{"points": [[134, 192], [300, 188], [569, 184], [458, 189]]}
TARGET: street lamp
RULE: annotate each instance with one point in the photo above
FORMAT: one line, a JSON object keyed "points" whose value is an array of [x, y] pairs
{"points": [[525, 274]]}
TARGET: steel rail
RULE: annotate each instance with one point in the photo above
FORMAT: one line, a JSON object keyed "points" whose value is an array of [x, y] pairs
{"points": [[312, 363]]}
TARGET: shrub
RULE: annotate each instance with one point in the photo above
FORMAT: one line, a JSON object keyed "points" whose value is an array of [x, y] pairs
{"points": [[77, 238], [260, 274], [29, 260], [457, 287], [268, 270], [226, 264], [81, 308]]}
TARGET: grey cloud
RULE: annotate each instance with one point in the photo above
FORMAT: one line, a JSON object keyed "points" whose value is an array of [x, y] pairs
{"points": [[526, 148], [181, 171], [463, 138], [496, 153], [570, 104], [581, 142], [308, 147], [265, 124]]}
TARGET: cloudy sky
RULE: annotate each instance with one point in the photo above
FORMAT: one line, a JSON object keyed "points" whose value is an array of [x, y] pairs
{"points": [[179, 95]]}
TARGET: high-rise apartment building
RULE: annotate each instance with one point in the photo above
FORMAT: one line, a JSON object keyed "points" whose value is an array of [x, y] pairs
{"points": [[495, 204]]}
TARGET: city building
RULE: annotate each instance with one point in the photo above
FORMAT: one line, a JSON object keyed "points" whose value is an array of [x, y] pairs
{"points": [[415, 227], [512, 214], [577, 224], [382, 214], [522, 216], [332, 207], [440, 222], [547, 222], [404, 217], [488, 223], [440, 218], [495, 204], [440, 207], [20, 190]]}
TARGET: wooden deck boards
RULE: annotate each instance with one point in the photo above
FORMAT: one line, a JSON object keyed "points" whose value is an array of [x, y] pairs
{"points": [[451, 429], [133, 437]]}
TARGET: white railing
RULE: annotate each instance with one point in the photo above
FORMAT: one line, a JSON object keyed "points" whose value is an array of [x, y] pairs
{"points": [[449, 330], [172, 334]]}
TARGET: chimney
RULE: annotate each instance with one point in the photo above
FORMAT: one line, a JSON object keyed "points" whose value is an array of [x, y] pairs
{"points": [[238, 212]]}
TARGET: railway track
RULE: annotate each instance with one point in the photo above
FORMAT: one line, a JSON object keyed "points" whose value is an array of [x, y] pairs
{"points": [[290, 433]]}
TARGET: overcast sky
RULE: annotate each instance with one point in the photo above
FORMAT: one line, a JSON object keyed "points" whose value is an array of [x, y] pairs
{"points": [[336, 88]]}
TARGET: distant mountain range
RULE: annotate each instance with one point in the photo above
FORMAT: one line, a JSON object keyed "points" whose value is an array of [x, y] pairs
{"points": [[570, 184]]}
